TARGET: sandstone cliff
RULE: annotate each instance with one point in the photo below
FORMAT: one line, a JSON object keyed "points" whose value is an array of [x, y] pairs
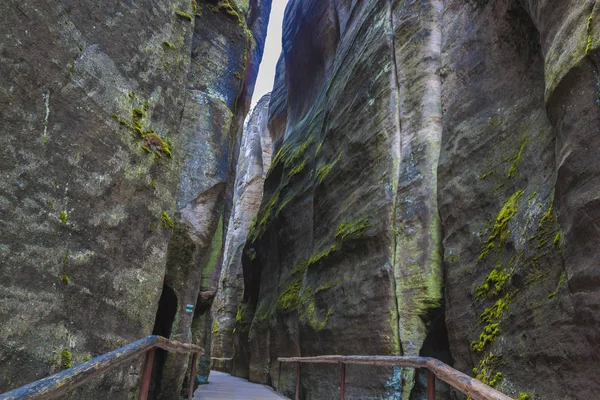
{"points": [[253, 163], [120, 124], [422, 180], [344, 257], [433, 192]]}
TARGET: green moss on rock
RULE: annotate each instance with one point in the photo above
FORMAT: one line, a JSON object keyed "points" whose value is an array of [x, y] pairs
{"points": [[500, 231], [65, 359], [185, 15], [489, 334], [486, 371], [495, 282], [166, 220], [63, 218], [169, 45]]}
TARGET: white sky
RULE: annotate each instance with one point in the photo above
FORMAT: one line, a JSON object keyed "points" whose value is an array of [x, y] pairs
{"points": [[266, 73]]}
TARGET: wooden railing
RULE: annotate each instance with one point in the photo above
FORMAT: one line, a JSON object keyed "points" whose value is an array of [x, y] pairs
{"points": [[64, 381], [435, 368]]}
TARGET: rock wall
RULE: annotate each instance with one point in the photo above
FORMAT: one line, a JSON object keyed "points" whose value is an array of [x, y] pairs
{"points": [[120, 126], [433, 192], [226, 52], [253, 163], [518, 194], [344, 257]]}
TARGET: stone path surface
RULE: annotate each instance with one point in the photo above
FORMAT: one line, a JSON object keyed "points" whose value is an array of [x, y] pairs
{"points": [[224, 386]]}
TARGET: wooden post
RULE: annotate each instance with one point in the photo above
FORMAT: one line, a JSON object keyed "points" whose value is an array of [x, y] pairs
{"points": [[343, 382], [430, 385], [298, 381], [193, 376], [145, 382], [279, 378]]}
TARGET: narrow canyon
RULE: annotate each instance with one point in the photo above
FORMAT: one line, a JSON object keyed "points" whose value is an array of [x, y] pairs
{"points": [[423, 179]]}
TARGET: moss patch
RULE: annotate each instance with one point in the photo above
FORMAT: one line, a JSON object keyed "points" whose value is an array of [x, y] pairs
{"points": [[500, 231], [65, 359], [185, 15], [63, 218], [493, 285], [590, 35], [166, 220], [561, 282], [516, 159], [169, 45], [486, 371], [152, 143]]}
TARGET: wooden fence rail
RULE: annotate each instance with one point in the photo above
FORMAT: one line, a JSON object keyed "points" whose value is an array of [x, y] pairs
{"points": [[58, 384], [473, 388]]}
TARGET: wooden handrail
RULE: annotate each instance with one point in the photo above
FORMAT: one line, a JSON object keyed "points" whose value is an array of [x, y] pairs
{"points": [[58, 384], [473, 388]]}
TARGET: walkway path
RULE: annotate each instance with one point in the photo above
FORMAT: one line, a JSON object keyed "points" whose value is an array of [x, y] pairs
{"points": [[226, 387]]}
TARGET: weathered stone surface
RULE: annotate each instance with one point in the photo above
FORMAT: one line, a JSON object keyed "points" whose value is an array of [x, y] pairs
{"points": [[348, 252], [226, 49], [344, 257], [516, 200], [433, 191], [82, 245], [120, 123], [253, 164]]}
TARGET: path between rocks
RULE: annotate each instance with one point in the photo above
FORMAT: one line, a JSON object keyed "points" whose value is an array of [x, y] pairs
{"points": [[224, 386]]}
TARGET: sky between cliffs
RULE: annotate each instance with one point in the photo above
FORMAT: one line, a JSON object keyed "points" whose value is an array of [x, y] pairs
{"points": [[266, 73]]}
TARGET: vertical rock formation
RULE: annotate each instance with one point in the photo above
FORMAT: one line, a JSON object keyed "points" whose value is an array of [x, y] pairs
{"points": [[253, 163], [120, 127], [226, 51], [353, 240], [519, 194], [89, 127], [344, 257]]}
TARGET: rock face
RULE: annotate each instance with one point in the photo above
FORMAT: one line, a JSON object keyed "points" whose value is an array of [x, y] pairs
{"points": [[344, 257], [434, 191], [253, 163], [225, 54], [120, 125], [518, 194]]}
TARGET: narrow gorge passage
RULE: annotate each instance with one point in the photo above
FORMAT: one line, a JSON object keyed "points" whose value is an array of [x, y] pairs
{"points": [[269, 179]]}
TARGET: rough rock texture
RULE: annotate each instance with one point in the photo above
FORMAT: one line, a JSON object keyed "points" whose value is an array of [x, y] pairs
{"points": [[419, 143], [225, 54], [82, 246], [253, 163], [344, 257], [518, 192], [120, 124]]}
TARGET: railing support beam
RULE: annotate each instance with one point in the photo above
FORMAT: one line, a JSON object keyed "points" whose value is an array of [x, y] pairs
{"points": [[298, 381], [342, 381], [193, 376], [279, 377], [430, 385], [145, 382]]}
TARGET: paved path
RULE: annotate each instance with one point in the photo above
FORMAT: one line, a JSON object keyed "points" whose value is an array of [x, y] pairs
{"points": [[226, 387]]}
